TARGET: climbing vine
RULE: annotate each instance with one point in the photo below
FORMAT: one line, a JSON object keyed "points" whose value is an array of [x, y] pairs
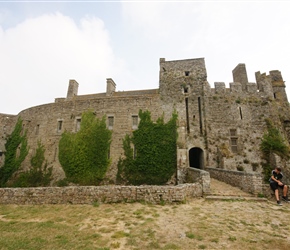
{"points": [[150, 154], [39, 175], [272, 142], [16, 151], [84, 155]]}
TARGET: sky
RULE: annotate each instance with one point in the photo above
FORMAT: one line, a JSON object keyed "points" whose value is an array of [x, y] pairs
{"points": [[44, 44]]}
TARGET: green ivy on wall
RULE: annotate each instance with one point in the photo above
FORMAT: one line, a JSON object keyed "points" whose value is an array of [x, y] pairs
{"points": [[272, 142], [16, 151], [38, 175], [150, 154], [84, 155]]}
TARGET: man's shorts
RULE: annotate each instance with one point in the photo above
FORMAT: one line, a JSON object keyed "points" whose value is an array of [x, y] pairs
{"points": [[274, 185]]}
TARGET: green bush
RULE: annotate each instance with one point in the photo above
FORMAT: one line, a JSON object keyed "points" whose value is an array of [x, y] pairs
{"points": [[38, 175], [272, 142], [84, 155], [16, 151], [154, 159]]}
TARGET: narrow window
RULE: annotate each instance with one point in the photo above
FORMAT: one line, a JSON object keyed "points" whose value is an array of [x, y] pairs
{"points": [[78, 124], [274, 95], [241, 114], [134, 121], [234, 140], [187, 116], [37, 129], [186, 73], [234, 145], [185, 89], [1, 153], [200, 115], [110, 122], [233, 132], [59, 126]]}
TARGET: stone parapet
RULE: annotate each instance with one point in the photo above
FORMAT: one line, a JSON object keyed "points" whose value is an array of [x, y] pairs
{"points": [[103, 194], [201, 176], [248, 182]]}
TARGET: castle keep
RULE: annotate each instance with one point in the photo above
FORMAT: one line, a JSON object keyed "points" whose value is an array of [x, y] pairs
{"points": [[218, 127]]}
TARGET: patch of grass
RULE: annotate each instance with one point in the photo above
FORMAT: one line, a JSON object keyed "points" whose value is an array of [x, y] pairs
{"points": [[120, 234], [190, 235], [232, 238]]}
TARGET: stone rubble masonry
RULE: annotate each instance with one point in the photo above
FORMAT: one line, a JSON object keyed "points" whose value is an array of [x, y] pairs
{"points": [[102, 194], [248, 182]]}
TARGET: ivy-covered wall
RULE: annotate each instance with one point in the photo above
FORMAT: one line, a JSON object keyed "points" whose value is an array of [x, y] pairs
{"points": [[150, 153]]}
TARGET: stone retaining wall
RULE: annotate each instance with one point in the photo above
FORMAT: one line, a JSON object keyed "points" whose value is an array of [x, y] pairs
{"points": [[201, 176], [248, 182], [103, 194]]}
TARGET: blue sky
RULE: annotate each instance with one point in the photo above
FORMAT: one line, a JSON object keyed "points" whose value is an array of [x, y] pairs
{"points": [[43, 44]]}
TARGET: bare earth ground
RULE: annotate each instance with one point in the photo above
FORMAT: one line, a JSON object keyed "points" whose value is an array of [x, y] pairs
{"points": [[196, 224]]}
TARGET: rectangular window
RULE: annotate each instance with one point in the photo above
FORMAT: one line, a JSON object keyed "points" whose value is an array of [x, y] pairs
{"points": [[110, 122], [59, 126], [37, 129], [234, 145], [134, 121], [233, 132], [78, 124]]}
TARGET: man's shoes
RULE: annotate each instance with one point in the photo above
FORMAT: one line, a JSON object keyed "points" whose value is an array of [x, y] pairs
{"points": [[285, 198], [279, 203]]}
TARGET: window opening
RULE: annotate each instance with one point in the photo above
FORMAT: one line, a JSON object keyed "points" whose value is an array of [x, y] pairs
{"points": [[110, 122], [200, 115], [234, 140], [234, 145], [59, 126], [233, 132], [185, 89], [186, 73], [37, 129], [241, 115], [187, 116], [134, 121], [78, 124]]}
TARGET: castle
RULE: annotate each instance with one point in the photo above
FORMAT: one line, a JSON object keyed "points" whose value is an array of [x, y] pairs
{"points": [[217, 127]]}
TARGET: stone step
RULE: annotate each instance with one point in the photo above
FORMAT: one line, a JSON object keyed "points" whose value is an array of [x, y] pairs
{"points": [[235, 198]]}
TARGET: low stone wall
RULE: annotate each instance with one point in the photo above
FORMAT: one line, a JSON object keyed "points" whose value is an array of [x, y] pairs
{"points": [[103, 194], [201, 176], [248, 182]]}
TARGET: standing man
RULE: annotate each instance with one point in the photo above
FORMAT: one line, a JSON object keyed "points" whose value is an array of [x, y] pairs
{"points": [[276, 183]]}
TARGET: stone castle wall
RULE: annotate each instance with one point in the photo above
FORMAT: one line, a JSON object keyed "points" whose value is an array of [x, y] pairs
{"points": [[223, 126]]}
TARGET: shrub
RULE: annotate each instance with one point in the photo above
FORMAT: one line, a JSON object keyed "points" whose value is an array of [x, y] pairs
{"points": [[38, 175], [16, 151]]}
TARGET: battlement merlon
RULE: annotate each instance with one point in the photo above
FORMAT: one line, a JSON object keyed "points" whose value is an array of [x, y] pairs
{"points": [[240, 75]]}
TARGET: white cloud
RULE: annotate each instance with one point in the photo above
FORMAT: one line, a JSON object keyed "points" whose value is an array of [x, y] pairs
{"points": [[40, 55]]}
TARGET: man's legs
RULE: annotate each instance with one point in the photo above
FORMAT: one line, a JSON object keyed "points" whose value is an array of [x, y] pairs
{"points": [[285, 191], [277, 194]]}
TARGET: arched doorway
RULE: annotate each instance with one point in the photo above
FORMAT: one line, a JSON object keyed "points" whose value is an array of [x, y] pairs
{"points": [[196, 158]]}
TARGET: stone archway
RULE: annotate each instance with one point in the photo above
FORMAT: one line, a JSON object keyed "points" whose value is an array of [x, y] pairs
{"points": [[196, 158]]}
